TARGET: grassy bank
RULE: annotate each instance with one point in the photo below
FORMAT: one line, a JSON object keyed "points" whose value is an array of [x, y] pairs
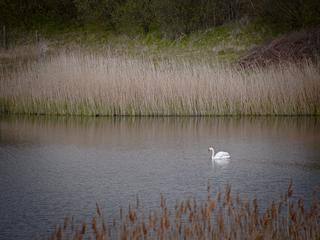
{"points": [[77, 82], [224, 43], [224, 216]]}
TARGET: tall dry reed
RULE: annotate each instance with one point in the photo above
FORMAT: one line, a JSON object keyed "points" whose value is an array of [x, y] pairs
{"points": [[78, 83], [224, 216]]}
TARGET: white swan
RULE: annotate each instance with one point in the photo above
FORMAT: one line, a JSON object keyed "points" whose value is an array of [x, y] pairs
{"points": [[219, 155]]}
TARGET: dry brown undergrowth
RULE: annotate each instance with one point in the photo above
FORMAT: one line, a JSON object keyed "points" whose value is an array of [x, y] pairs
{"points": [[223, 217], [81, 83]]}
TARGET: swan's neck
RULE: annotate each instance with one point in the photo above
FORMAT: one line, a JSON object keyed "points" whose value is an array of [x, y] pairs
{"points": [[212, 151]]}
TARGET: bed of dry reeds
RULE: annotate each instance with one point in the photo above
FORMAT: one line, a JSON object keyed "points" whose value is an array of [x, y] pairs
{"points": [[221, 217], [83, 83]]}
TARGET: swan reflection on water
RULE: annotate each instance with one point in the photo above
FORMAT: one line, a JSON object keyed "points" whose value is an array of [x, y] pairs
{"points": [[222, 164]]}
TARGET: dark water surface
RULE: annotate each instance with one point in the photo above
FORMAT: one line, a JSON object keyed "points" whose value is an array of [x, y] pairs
{"points": [[58, 166]]}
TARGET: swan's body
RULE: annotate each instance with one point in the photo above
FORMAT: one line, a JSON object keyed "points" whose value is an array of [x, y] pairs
{"points": [[219, 156]]}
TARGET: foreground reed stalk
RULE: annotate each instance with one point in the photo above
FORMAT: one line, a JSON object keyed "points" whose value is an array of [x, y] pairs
{"points": [[76, 83], [221, 217]]}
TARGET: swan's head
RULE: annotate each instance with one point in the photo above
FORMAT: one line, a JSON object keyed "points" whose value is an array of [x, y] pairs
{"points": [[210, 149]]}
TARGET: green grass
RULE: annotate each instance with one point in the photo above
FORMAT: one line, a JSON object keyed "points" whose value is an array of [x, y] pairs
{"points": [[222, 43]]}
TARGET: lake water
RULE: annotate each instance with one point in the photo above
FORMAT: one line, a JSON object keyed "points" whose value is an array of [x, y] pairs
{"points": [[58, 166]]}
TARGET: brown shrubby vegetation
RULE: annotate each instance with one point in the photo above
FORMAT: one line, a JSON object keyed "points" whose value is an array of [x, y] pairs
{"points": [[80, 83], [224, 216]]}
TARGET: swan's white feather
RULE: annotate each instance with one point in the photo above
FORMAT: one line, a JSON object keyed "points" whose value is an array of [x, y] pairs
{"points": [[220, 155]]}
